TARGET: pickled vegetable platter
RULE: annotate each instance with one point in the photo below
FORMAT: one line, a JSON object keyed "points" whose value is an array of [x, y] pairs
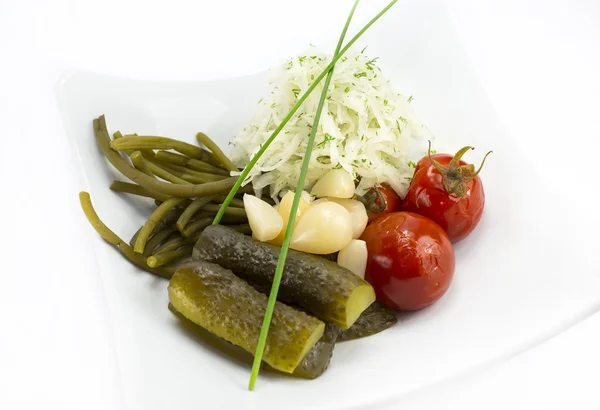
{"points": [[314, 228]]}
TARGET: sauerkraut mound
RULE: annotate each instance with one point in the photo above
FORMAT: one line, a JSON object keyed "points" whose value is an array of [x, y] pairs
{"points": [[366, 127]]}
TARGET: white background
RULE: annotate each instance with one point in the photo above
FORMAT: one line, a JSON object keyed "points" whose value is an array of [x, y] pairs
{"points": [[538, 61]]}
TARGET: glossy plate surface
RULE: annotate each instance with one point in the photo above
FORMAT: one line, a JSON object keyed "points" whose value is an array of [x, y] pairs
{"points": [[517, 281]]}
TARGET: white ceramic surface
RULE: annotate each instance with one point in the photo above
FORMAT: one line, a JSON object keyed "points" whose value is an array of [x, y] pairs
{"points": [[507, 294]]}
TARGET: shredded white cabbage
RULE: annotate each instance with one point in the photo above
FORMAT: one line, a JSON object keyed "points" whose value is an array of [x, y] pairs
{"points": [[366, 127]]}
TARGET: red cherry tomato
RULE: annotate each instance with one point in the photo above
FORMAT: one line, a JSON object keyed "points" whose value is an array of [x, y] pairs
{"points": [[411, 261], [448, 191], [383, 200]]}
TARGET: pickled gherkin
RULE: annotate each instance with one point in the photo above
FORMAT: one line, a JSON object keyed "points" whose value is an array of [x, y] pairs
{"points": [[323, 288], [220, 302], [317, 359], [375, 319], [314, 363]]}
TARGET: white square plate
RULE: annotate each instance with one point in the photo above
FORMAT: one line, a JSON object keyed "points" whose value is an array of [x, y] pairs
{"points": [[517, 281]]}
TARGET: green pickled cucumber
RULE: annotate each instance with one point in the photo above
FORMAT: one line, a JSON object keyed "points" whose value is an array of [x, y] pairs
{"points": [[325, 289], [317, 359], [375, 319], [312, 366], [220, 302]]}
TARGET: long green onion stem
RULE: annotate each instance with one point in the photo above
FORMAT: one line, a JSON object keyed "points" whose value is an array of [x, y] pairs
{"points": [[262, 339]]}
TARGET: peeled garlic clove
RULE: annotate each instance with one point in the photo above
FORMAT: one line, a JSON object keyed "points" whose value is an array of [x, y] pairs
{"points": [[354, 257], [358, 213], [284, 209], [336, 183], [324, 228], [264, 220]]}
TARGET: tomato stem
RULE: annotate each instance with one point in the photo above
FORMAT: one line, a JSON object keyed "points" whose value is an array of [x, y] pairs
{"points": [[482, 162], [370, 201], [456, 159], [435, 164], [454, 175]]}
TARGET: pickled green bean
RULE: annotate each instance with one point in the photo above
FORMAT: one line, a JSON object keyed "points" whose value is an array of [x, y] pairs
{"points": [[165, 174], [190, 175], [229, 211], [151, 184], [237, 203], [89, 211], [140, 163], [218, 154], [160, 259], [170, 218], [132, 142], [134, 237], [196, 165], [148, 153], [154, 219], [137, 259], [133, 189], [191, 210], [209, 175], [195, 226], [157, 239], [170, 245], [227, 219], [117, 135], [112, 238]]}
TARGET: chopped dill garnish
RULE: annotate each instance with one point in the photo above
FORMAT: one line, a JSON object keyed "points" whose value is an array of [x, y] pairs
{"points": [[326, 138], [371, 63]]}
